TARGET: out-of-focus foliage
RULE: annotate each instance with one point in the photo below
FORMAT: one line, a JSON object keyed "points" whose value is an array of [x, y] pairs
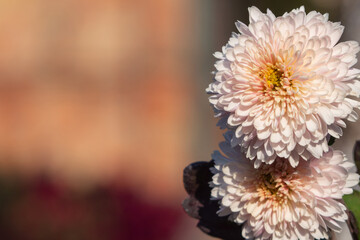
{"points": [[353, 202]]}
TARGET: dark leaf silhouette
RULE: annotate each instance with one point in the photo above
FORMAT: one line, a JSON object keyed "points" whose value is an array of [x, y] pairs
{"points": [[357, 154], [351, 222], [331, 141], [198, 205]]}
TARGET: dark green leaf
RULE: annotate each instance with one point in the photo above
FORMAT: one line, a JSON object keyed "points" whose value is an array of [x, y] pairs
{"points": [[331, 141]]}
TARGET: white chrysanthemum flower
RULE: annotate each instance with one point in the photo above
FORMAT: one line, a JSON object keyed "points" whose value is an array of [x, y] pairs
{"points": [[284, 83], [281, 202]]}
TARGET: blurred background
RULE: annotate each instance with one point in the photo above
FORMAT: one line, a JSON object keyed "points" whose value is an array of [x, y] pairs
{"points": [[102, 105]]}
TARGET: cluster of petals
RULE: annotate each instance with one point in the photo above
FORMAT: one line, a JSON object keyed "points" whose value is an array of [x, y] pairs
{"points": [[284, 85], [281, 202]]}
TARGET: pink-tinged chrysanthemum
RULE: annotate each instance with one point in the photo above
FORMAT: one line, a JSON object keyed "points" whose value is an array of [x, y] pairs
{"points": [[278, 201], [283, 84]]}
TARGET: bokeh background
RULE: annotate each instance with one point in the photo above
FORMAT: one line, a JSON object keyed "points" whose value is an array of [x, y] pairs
{"points": [[102, 104]]}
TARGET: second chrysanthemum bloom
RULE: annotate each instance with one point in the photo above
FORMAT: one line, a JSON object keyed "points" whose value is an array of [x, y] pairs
{"points": [[283, 85], [281, 202]]}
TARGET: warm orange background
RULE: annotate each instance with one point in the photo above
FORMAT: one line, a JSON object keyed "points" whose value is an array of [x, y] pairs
{"points": [[112, 92], [97, 90]]}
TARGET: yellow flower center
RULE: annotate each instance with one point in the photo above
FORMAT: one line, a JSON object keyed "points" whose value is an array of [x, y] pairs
{"points": [[270, 184], [272, 187], [273, 77]]}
